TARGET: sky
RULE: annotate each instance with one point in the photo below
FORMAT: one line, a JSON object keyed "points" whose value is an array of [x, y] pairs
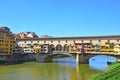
{"points": [[61, 18]]}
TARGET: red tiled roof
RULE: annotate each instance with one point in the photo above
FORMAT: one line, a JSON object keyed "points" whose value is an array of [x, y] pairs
{"points": [[79, 37]]}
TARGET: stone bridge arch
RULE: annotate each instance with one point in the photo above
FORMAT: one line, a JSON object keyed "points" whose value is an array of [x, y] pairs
{"points": [[84, 58], [80, 58], [66, 47], [50, 57], [59, 47], [51, 48]]}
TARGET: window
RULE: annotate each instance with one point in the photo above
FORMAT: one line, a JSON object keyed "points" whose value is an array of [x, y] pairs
{"points": [[82, 41], [90, 41], [44, 41], [2, 40], [117, 40], [74, 41], [66, 41], [99, 40], [66, 48], [51, 41], [108, 40], [59, 41], [59, 47], [1, 35], [38, 41]]}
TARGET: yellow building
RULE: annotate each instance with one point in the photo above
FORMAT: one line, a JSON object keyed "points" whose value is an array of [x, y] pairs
{"points": [[107, 48], [7, 41], [89, 47], [37, 48], [117, 49]]}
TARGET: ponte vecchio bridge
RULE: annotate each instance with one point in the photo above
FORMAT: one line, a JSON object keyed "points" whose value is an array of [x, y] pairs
{"points": [[79, 47]]}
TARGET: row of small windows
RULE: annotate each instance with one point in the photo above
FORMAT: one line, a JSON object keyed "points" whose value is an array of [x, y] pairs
{"points": [[6, 44], [7, 41], [4, 48], [1, 40], [73, 41]]}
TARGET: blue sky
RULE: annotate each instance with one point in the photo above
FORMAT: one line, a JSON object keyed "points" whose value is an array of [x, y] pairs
{"points": [[62, 17]]}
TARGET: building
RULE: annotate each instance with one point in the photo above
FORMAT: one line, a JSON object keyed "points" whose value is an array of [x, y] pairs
{"points": [[7, 41], [22, 35], [117, 48], [26, 35], [86, 44], [45, 36]]}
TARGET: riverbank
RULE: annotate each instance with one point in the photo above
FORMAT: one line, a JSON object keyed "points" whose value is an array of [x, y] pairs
{"points": [[113, 73]]}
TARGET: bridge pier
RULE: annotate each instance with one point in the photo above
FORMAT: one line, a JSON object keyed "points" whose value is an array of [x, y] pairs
{"points": [[77, 58], [42, 57], [84, 59], [81, 58]]}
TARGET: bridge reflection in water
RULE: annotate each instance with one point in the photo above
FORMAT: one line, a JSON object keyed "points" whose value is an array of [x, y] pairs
{"points": [[98, 62], [101, 61], [65, 60]]}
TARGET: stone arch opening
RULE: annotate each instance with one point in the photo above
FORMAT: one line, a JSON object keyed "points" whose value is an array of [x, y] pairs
{"points": [[44, 48], [66, 47], [59, 47], [51, 48], [50, 58]]}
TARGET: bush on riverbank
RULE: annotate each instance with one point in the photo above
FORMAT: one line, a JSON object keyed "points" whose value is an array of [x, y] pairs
{"points": [[113, 73]]}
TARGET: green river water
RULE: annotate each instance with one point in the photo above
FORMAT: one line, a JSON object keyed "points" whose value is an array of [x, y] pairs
{"points": [[46, 71]]}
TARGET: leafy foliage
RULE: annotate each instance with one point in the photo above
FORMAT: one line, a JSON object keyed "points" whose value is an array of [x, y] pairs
{"points": [[113, 73]]}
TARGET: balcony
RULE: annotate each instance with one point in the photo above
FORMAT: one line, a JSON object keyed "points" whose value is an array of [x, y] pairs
{"points": [[89, 48], [107, 49]]}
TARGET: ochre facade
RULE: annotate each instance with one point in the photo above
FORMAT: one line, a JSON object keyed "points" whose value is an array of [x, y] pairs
{"points": [[7, 41]]}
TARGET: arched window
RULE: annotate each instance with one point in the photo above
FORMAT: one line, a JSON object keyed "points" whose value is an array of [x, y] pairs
{"points": [[51, 47], [66, 47], [58, 47]]}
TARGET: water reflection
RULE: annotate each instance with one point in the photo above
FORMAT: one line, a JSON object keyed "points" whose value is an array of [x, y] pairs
{"points": [[46, 71], [65, 60], [100, 62], [66, 69]]}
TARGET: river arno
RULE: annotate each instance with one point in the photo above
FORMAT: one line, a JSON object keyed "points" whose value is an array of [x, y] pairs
{"points": [[49, 71], [46, 71]]}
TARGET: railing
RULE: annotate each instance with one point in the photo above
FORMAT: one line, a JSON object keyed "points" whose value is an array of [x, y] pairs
{"points": [[70, 52], [60, 52], [107, 49]]}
